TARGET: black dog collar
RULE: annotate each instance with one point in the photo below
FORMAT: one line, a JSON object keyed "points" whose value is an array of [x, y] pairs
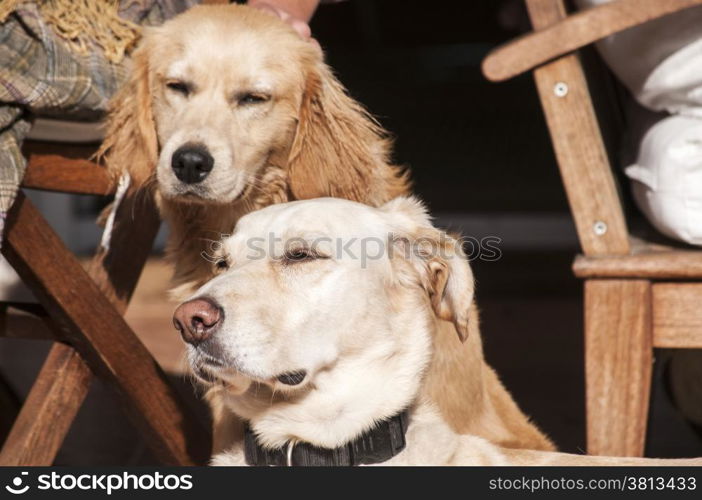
{"points": [[377, 445]]}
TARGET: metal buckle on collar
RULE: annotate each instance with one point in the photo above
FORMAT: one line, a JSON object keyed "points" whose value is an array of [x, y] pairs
{"points": [[288, 454]]}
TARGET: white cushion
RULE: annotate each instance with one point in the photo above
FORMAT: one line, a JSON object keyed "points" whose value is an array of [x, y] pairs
{"points": [[659, 61], [667, 177]]}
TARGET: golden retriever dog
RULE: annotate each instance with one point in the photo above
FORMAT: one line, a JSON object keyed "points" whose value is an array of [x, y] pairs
{"points": [[227, 111], [318, 331]]}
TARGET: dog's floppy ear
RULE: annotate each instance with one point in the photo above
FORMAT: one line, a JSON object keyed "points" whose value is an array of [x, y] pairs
{"points": [[130, 145], [438, 261], [339, 150]]}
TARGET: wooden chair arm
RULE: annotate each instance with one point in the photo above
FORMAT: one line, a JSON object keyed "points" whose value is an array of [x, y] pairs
{"points": [[574, 32], [67, 175]]}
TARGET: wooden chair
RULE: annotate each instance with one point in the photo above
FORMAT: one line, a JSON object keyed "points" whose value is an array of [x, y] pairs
{"points": [[638, 296], [82, 312]]}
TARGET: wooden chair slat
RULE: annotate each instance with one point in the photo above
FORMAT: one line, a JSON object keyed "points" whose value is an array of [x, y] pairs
{"points": [[66, 175], [116, 270], [579, 148], [49, 409], [659, 265], [574, 32]]}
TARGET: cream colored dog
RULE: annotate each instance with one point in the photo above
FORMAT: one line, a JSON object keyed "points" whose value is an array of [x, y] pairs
{"points": [[322, 323]]}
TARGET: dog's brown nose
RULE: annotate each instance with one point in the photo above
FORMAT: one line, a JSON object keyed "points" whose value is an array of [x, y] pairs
{"points": [[197, 319]]}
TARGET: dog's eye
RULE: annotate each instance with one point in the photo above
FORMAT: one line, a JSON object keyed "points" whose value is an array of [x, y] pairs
{"points": [[252, 98], [299, 255], [222, 265], [180, 87]]}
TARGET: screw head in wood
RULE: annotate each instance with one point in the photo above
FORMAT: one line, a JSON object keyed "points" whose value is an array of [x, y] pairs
{"points": [[560, 89], [599, 227]]}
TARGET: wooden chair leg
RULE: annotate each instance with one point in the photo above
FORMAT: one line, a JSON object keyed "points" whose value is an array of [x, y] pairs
{"points": [[49, 410], [97, 330], [116, 269], [618, 364]]}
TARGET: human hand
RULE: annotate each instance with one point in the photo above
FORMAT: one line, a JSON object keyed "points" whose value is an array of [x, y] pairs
{"points": [[296, 13]]}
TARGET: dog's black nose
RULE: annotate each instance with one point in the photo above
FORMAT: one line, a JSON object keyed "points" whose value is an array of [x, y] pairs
{"points": [[192, 163]]}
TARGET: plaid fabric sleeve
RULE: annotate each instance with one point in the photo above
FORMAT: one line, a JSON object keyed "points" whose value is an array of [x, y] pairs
{"points": [[13, 127]]}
